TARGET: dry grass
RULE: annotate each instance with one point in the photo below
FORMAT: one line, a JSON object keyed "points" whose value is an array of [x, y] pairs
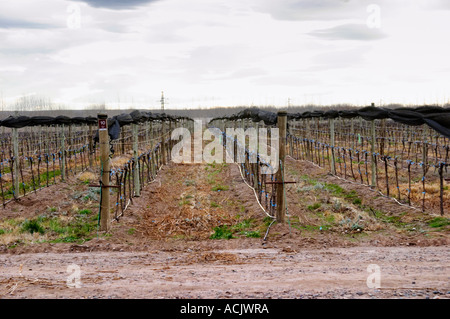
{"points": [[186, 222], [432, 194], [120, 161], [14, 234], [87, 176]]}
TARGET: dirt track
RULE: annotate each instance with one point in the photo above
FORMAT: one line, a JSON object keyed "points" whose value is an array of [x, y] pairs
{"points": [[233, 273]]}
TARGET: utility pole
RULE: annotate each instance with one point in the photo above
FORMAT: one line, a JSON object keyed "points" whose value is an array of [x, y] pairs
{"points": [[162, 100]]}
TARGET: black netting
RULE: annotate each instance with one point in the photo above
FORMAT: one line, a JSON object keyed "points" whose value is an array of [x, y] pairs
{"points": [[436, 117]]}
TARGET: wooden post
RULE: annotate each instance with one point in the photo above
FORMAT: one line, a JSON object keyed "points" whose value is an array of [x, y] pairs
{"points": [[372, 149], [104, 170], [122, 138], [163, 142], [235, 158], [255, 165], [91, 147], [352, 133], [70, 144], [146, 136], [441, 188], [425, 148], [281, 203], [15, 141], [332, 142], [137, 184], [63, 153], [307, 133], [424, 162], [152, 159], [169, 142]]}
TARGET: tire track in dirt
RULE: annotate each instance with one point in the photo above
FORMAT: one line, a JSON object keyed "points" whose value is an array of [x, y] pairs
{"points": [[406, 272]]}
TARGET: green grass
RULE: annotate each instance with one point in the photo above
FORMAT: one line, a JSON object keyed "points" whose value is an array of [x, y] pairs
{"points": [[439, 222], [184, 202], [247, 227], [314, 206], [56, 226], [220, 187], [29, 186], [214, 205], [395, 220], [189, 183], [222, 232], [335, 189], [246, 223], [267, 221], [32, 226], [252, 234], [78, 228], [330, 219]]}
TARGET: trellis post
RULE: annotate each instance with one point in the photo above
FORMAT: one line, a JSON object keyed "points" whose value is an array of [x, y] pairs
{"points": [[63, 153], [163, 142], [104, 170], [281, 203], [91, 147], [136, 175], [332, 142], [372, 149], [15, 141]]}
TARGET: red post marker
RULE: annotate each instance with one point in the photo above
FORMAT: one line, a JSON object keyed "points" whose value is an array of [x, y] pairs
{"points": [[102, 124]]}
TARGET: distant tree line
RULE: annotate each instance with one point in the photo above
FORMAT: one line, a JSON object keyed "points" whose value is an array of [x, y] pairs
{"points": [[32, 106]]}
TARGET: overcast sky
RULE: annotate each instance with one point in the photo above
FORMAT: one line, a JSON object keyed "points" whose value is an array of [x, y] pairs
{"points": [[226, 52]]}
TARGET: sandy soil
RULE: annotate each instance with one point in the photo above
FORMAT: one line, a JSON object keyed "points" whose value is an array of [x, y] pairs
{"points": [[406, 272]]}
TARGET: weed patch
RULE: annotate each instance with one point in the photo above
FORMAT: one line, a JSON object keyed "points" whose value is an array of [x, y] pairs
{"points": [[439, 222], [222, 232]]}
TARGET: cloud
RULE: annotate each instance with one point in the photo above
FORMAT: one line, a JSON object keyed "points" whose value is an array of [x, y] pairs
{"points": [[339, 59], [6, 23], [305, 10], [358, 32], [435, 4], [117, 4]]}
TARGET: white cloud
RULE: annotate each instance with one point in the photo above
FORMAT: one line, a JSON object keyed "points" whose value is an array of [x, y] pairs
{"points": [[358, 32], [307, 10], [117, 4], [224, 51]]}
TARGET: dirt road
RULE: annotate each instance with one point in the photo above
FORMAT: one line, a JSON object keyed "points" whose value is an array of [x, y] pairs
{"points": [[405, 272]]}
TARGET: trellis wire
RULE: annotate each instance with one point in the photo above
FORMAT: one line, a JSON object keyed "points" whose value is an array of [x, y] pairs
{"points": [[251, 171], [402, 158]]}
